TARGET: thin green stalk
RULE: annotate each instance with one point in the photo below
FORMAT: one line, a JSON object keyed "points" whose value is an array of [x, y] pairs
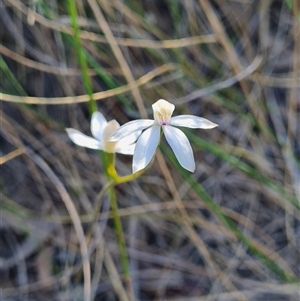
{"points": [[81, 55], [112, 176], [109, 165], [119, 233]]}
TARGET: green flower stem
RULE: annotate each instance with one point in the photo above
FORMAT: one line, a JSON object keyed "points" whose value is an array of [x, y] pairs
{"points": [[119, 233], [111, 170], [112, 176], [81, 55], [119, 180]]}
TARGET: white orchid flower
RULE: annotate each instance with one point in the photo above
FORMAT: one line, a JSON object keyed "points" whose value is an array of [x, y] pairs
{"points": [[149, 139], [101, 130]]}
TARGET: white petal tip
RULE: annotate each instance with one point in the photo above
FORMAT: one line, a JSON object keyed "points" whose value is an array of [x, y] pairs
{"points": [[136, 170], [191, 169], [191, 166]]}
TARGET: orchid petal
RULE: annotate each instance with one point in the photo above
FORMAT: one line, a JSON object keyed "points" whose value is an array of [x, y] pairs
{"points": [[124, 149], [126, 145], [98, 124], [131, 138], [83, 140], [145, 148], [192, 122], [180, 146], [129, 128]]}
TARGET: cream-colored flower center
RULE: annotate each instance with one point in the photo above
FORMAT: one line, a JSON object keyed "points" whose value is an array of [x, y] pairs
{"points": [[162, 111]]}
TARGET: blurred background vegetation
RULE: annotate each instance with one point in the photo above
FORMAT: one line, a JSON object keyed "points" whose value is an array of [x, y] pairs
{"points": [[231, 230]]}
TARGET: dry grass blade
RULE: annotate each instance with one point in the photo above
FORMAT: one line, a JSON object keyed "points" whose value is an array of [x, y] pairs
{"points": [[115, 278], [140, 43], [11, 155], [39, 66], [85, 98]]}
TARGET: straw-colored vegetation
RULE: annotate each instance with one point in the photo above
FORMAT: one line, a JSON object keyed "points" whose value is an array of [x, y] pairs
{"points": [[229, 231]]}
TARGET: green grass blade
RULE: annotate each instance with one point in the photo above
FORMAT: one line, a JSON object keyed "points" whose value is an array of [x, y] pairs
{"points": [[81, 55]]}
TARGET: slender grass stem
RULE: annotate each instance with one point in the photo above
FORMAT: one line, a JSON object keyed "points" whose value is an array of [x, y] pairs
{"points": [[81, 56]]}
